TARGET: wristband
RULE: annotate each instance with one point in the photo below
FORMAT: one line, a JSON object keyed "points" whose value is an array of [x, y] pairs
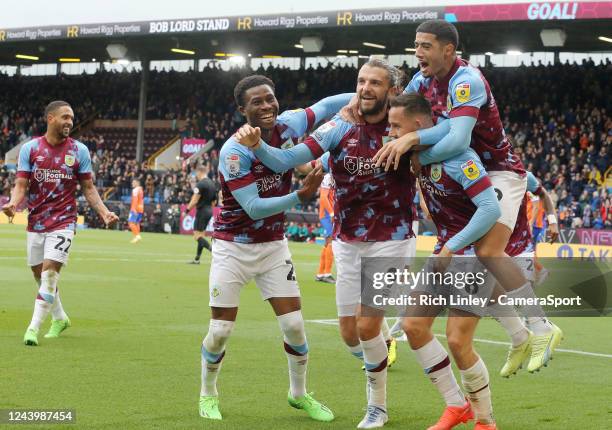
{"points": [[551, 218]]}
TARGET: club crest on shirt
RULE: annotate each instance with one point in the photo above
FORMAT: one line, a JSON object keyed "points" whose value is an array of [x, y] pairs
{"points": [[436, 172], [232, 164], [69, 160], [462, 92], [287, 144], [470, 170]]}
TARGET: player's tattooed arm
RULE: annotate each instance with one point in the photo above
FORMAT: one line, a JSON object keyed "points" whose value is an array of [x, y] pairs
{"points": [[17, 195], [93, 198]]}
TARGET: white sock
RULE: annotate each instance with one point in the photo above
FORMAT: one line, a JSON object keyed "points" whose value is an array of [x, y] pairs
{"points": [[45, 298], [296, 348], [526, 292], [476, 382], [57, 310], [356, 351], [385, 330], [434, 360], [213, 351], [539, 325], [375, 357], [511, 322]]}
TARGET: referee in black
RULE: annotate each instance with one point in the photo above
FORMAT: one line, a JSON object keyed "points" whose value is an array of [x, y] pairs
{"points": [[203, 198]]}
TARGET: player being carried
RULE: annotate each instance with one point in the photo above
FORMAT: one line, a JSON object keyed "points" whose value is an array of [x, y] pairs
{"points": [[136, 210], [467, 115], [249, 243], [373, 214], [49, 169]]}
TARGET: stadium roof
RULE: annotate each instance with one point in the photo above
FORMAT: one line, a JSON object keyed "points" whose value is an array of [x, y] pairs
{"points": [[494, 28]]}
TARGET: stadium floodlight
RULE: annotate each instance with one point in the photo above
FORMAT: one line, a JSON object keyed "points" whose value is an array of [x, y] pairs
{"points": [[70, 60], [605, 39], [514, 52], [342, 51], [410, 49], [311, 43], [489, 53], [123, 62], [352, 51], [27, 57], [183, 51], [553, 37], [298, 46], [116, 50], [374, 45]]}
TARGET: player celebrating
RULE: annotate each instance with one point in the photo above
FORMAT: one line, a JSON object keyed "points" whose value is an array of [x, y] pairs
{"points": [[460, 198], [49, 169], [459, 92], [326, 214], [373, 214], [136, 210], [203, 198], [249, 243]]}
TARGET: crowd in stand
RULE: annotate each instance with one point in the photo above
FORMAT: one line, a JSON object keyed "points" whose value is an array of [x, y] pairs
{"points": [[563, 134]]}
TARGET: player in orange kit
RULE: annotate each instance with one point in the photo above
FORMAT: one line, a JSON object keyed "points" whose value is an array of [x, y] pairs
{"points": [[326, 216], [136, 210]]}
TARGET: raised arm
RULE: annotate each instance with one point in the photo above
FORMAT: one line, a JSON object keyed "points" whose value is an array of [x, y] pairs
{"points": [[235, 168], [298, 121], [325, 138]]}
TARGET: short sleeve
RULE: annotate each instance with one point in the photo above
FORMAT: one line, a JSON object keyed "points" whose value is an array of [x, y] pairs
{"points": [[533, 185], [235, 165], [24, 167], [467, 170], [84, 161], [467, 93]]}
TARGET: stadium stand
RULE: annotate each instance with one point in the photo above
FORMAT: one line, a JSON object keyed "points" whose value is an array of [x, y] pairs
{"points": [[563, 134]]}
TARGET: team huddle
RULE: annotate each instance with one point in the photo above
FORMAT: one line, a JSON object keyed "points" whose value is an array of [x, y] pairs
{"points": [[438, 140]]}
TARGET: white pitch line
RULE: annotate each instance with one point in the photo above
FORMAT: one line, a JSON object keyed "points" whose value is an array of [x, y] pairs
{"points": [[492, 342]]}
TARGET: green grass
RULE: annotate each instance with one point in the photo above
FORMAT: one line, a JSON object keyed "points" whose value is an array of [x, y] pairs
{"points": [[132, 357]]}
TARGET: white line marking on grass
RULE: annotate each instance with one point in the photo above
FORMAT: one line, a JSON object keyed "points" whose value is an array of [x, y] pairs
{"points": [[492, 342]]}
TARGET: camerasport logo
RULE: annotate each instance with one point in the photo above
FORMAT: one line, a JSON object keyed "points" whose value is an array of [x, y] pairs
{"points": [[50, 175], [359, 165]]}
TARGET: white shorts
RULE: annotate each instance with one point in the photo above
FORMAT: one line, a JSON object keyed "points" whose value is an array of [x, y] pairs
{"points": [[348, 267], [234, 264], [510, 188], [526, 262], [53, 245]]}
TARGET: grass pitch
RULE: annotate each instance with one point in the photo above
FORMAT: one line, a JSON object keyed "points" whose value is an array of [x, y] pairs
{"points": [[139, 313]]}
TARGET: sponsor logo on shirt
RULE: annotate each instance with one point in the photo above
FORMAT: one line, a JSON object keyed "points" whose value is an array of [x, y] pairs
{"points": [[470, 170], [288, 144], [462, 92], [50, 175], [359, 165], [269, 182], [232, 164]]}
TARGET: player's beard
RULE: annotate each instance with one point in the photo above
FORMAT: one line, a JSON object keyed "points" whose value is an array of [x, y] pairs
{"points": [[376, 109], [62, 133]]}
